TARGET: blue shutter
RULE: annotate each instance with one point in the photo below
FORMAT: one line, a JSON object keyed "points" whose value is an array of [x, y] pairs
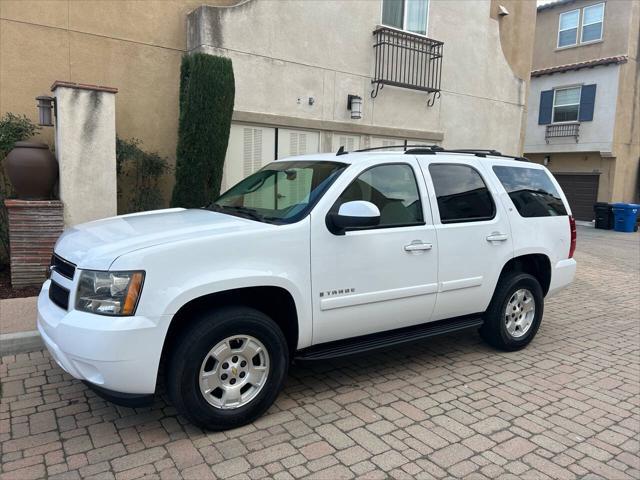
{"points": [[546, 107], [587, 102]]}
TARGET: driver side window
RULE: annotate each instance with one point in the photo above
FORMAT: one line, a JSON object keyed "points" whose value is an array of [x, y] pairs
{"points": [[393, 189]]}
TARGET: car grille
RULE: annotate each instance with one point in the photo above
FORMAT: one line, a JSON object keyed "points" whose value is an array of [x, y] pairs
{"points": [[59, 295], [64, 268]]}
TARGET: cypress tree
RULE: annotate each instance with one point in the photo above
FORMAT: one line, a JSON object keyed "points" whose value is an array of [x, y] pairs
{"points": [[207, 91]]}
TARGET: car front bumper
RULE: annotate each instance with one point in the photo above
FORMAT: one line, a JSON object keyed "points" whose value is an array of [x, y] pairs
{"points": [[120, 354]]}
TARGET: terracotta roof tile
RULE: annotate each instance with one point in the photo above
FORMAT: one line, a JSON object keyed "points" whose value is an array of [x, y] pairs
{"points": [[577, 66]]}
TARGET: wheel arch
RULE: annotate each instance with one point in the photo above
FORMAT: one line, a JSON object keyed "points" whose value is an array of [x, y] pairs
{"points": [[274, 301], [535, 264]]}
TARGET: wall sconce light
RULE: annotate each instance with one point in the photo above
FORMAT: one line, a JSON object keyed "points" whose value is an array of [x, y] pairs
{"points": [[546, 160], [45, 110], [354, 103]]}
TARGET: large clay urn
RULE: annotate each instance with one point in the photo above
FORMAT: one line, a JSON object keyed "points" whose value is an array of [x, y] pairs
{"points": [[32, 170]]}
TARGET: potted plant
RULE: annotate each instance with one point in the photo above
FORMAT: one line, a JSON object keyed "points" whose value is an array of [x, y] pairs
{"points": [[30, 166]]}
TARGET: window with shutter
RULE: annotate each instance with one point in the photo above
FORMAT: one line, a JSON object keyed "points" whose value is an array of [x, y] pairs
{"points": [[566, 104]]}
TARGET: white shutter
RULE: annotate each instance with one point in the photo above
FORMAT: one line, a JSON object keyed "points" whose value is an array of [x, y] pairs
{"points": [[250, 148], [419, 142], [386, 142], [297, 142], [349, 142]]}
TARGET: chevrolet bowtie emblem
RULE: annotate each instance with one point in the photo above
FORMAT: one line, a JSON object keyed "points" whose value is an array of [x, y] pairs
{"points": [[234, 370]]}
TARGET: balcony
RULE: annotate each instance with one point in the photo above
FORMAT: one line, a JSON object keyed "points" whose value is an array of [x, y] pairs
{"points": [[562, 130], [406, 60]]}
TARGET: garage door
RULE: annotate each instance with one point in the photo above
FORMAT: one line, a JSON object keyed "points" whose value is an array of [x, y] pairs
{"points": [[582, 193]]}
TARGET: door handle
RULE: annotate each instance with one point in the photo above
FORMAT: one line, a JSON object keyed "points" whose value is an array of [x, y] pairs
{"points": [[497, 237], [416, 247]]}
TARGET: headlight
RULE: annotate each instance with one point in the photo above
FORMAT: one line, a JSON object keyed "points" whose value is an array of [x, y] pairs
{"points": [[109, 293]]}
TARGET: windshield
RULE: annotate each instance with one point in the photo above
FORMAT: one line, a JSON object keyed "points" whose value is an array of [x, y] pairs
{"points": [[281, 192]]}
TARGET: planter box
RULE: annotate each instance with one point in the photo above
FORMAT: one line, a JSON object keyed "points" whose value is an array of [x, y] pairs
{"points": [[34, 227]]}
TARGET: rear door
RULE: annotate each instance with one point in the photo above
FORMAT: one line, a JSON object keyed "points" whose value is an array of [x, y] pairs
{"points": [[473, 231]]}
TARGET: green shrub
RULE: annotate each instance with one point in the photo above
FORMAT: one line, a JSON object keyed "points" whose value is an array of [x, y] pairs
{"points": [[207, 91], [13, 128], [145, 170]]}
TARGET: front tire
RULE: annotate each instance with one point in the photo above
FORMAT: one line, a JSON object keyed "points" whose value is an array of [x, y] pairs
{"points": [[228, 368], [515, 312]]}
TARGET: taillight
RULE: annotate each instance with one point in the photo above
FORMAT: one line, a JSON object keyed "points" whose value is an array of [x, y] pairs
{"points": [[572, 227]]}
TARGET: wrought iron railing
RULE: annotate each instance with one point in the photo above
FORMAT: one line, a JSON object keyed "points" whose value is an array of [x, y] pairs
{"points": [[406, 60], [562, 130]]}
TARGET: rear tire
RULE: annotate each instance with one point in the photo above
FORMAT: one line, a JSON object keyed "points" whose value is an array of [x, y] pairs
{"points": [[515, 312], [228, 368]]}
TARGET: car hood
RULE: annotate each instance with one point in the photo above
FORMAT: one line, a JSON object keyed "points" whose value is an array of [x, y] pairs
{"points": [[96, 245]]}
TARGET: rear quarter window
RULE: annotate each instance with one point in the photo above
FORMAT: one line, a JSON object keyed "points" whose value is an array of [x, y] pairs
{"points": [[462, 194], [531, 191]]}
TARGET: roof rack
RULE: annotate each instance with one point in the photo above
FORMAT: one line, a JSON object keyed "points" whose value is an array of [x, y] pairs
{"points": [[433, 149], [472, 151], [388, 147]]}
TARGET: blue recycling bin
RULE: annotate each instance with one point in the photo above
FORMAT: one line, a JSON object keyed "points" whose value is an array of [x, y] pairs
{"points": [[626, 215]]}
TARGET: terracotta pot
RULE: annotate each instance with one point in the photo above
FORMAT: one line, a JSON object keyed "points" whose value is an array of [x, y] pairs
{"points": [[32, 170]]}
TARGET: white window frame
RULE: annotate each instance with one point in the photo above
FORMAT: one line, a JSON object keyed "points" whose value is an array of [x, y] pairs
{"points": [[404, 19], [553, 105], [577, 27], [582, 24]]}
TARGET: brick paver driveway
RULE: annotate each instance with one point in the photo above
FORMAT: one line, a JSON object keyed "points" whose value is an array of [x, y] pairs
{"points": [[566, 407]]}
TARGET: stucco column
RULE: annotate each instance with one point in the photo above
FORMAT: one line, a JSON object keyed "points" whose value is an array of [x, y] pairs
{"points": [[86, 150]]}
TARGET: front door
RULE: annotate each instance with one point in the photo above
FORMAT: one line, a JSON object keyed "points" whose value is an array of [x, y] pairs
{"points": [[474, 235], [381, 278]]}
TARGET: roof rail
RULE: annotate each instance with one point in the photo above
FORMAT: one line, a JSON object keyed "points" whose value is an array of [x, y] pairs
{"points": [[472, 151], [433, 149], [405, 147]]}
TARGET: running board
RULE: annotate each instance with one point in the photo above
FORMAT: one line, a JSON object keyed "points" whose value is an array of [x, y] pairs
{"points": [[375, 341]]}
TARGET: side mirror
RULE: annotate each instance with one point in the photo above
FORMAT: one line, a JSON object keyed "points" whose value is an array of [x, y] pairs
{"points": [[356, 214]]}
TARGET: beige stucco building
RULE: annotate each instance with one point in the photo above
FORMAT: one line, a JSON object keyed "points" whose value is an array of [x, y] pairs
{"points": [[455, 72], [584, 100]]}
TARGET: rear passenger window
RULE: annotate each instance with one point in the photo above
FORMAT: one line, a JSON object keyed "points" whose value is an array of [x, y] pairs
{"points": [[531, 191], [393, 189], [462, 194]]}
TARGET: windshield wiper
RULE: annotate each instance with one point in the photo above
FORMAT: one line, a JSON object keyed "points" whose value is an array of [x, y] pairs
{"points": [[249, 212]]}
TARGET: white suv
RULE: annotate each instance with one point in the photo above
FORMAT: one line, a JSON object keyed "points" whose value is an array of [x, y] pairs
{"points": [[309, 258]]}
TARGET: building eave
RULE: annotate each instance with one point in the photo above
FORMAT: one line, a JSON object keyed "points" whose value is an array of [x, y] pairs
{"points": [[557, 3], [616, 60]]}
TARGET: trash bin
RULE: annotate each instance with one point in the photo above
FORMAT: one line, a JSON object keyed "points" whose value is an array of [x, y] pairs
{"points": [[604, 215], [625, 215]]}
